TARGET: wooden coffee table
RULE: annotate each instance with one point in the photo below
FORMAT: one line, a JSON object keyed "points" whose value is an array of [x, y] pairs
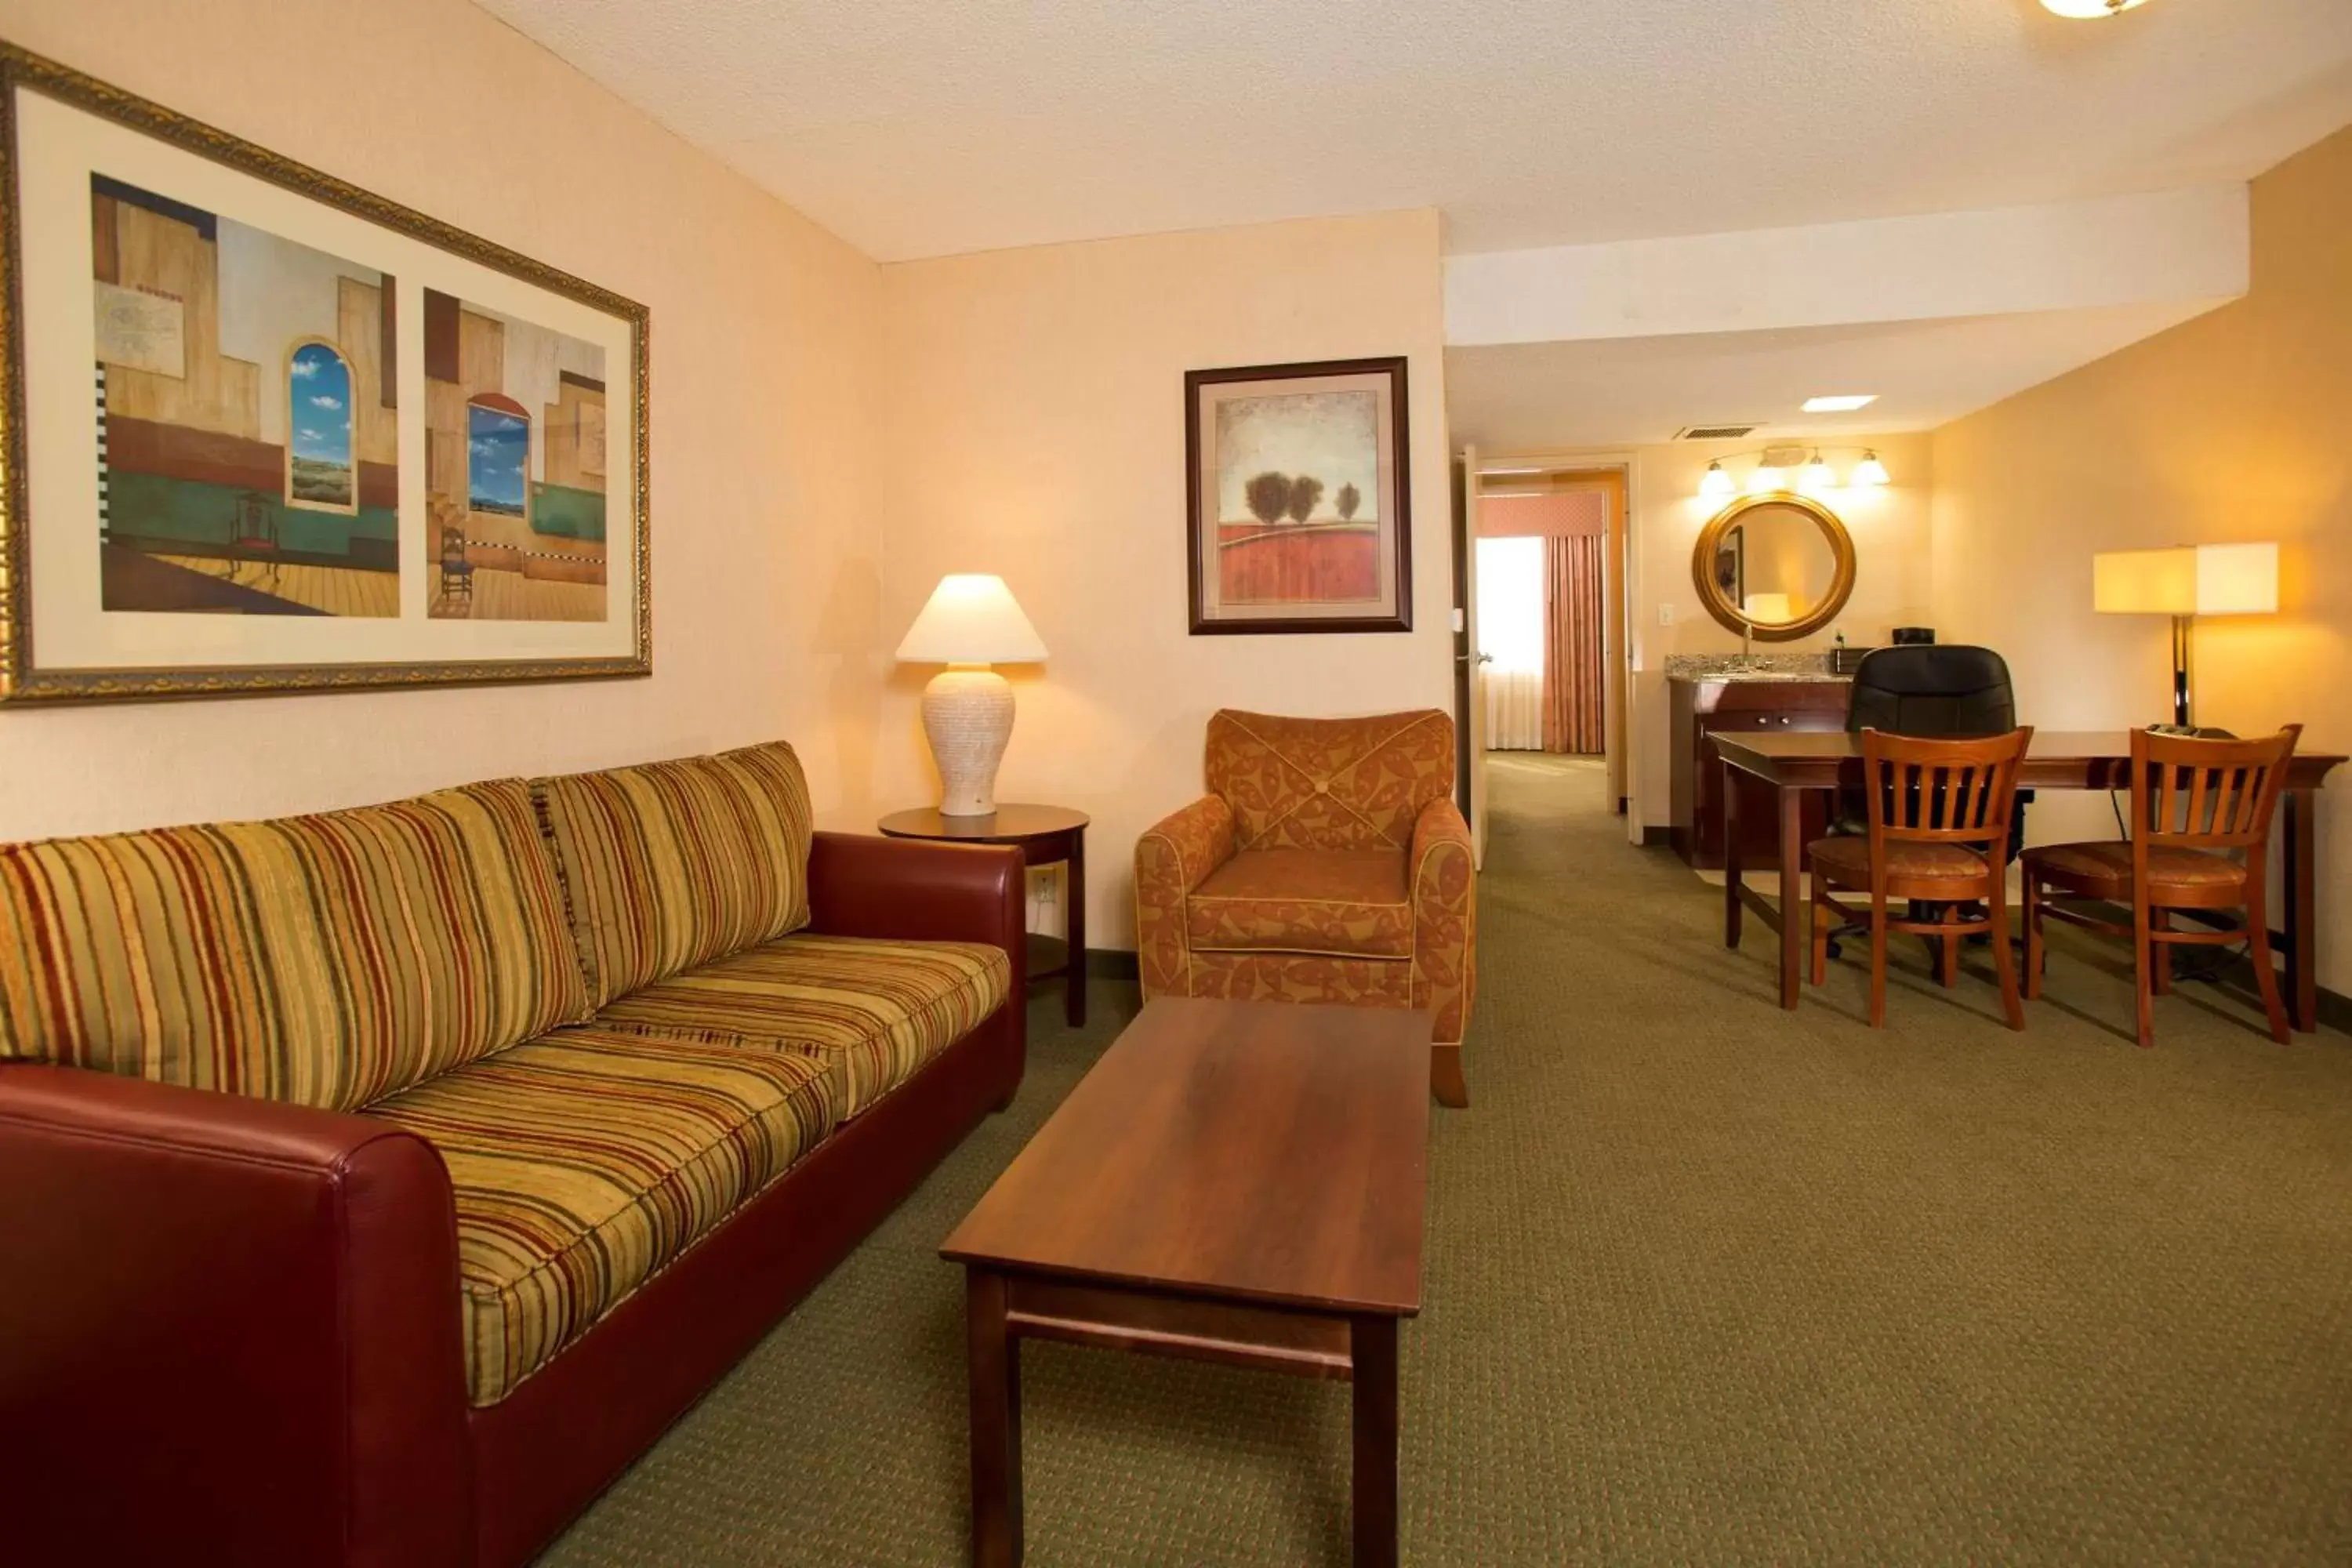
{"points": [[1235, 1182]]}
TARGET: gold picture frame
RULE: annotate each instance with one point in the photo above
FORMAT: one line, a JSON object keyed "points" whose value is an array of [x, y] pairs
{"points": [[262, 603]]}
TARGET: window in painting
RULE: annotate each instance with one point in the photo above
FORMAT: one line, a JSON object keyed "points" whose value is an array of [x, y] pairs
{"points": [[320, 471], [497, 456]]}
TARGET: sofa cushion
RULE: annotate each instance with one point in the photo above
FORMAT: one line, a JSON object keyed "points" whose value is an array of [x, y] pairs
{"points": [[1329, 784], [323, 961], [881, 1009], [584, 1162], [1351, 902], [670, 865]]}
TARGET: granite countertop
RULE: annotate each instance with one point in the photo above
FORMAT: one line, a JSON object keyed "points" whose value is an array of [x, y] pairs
{"points": [[1751, 667]]}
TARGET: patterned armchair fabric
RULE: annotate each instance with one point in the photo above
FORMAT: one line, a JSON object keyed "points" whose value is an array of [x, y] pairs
{"points": [[1328, 863]]}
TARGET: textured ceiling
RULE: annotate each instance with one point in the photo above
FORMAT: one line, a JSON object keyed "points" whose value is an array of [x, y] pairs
{"points": [[1629, 391], [928, 127]]}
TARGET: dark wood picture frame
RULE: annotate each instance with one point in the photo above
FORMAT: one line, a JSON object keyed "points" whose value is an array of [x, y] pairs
{"points": [[22, 679], [1202, 624]]}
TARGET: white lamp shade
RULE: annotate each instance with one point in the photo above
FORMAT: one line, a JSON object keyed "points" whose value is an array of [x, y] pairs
{"points": [[2189, 579], [971, 618], [2237, 579]]}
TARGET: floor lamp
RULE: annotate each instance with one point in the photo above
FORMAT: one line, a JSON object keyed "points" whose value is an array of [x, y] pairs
{"points": [[2186, 582]]}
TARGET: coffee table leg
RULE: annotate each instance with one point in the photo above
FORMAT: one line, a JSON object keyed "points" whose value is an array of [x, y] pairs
{"points": [[995, 1365], [1375, 1356]]}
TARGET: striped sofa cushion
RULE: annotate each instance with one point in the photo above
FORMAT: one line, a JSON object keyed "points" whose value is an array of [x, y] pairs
{"points": [[674, 864], [323, 961], [585, 1162], [882, 1009]]}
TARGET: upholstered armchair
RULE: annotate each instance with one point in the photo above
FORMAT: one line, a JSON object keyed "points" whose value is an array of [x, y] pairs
{"points": [[1327, 863]]}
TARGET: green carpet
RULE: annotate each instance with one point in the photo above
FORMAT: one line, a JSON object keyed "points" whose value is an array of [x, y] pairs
{"points": [[1708, 1283]]}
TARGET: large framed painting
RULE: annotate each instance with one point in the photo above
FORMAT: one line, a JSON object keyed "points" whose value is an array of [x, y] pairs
{"points": [[266, 431], [1300, 497]]}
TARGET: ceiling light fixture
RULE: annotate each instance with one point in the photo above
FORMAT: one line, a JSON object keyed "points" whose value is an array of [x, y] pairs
{"points": [[1776, 463], [2087, 10], [1844, 403]]}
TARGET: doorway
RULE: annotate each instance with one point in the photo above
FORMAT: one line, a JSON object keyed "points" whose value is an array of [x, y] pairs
{"points": [[1542, 558]]}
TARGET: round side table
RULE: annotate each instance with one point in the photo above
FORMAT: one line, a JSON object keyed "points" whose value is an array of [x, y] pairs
{"points": [[1045, 835]]}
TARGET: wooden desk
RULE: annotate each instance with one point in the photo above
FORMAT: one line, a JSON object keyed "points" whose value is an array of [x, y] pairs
{"points": [[1235, 1182], [1793, 763]]}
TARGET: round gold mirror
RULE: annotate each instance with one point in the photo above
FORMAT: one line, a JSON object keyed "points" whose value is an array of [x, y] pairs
{"points": [[1779, 566]]}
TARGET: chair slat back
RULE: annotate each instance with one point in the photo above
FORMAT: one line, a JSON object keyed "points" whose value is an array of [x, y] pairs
{"points": [[2195, 794], [1942, 792]]}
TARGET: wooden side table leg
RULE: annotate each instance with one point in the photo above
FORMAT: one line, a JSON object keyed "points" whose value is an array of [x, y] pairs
{"points": [[1074, 996], [995, 1359], [1378, 1423]]}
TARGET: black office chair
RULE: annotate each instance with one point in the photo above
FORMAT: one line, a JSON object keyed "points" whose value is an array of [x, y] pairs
{"points": [[1936, 690]]}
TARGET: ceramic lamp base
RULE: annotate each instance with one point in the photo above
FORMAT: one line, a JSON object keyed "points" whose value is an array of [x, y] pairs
{"points": [[968, 716]]}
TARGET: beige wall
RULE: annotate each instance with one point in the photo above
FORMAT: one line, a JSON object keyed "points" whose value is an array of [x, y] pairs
{"points": [[2236, 426], [1035, 430], [1892, 558], [765, 408]]}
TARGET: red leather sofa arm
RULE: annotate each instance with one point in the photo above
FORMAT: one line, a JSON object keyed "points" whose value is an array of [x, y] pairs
{"points": [[229, 1331], [918, 890]]}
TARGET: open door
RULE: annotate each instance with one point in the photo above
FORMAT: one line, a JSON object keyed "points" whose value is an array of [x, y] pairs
{"points": [[1470, 681]]}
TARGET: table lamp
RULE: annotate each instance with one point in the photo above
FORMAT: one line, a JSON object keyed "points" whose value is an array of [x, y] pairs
{"points": [[969, 623], [1762, 609], [2186, 582]]}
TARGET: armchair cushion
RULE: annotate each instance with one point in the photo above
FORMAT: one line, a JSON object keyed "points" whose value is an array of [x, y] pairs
{"points": [[1350, 902], [882, 1008], [584, 1162], [1329, 784]]}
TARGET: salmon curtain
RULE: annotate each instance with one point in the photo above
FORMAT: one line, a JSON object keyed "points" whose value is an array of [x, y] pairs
{"points": [[1571, 679]]}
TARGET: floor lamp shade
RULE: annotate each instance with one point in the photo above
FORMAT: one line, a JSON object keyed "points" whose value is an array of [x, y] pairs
{"points": [[969, 622], [2186, 582]]}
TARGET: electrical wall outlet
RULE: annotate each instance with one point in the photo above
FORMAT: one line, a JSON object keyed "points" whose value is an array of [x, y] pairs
{"points": [[1665, 614], [1043, 898]]}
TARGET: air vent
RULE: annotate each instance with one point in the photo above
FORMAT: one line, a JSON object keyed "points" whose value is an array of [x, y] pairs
{"points": [[1714, 432]]}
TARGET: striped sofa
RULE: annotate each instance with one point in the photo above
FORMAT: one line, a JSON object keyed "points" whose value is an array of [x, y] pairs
{"points": [[375, 1185]]}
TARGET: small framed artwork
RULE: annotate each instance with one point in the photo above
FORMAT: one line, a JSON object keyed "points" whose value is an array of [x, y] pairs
{"points": [[266, 431], [1300, 497]]}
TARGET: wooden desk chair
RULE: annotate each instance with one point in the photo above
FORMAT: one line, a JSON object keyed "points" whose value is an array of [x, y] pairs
{"points": [[2201, 815], [1938, 834]]}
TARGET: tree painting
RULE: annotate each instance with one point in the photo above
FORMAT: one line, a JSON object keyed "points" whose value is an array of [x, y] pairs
{"points": [[1305, 491], [1268, 497], [1290, 482]]}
